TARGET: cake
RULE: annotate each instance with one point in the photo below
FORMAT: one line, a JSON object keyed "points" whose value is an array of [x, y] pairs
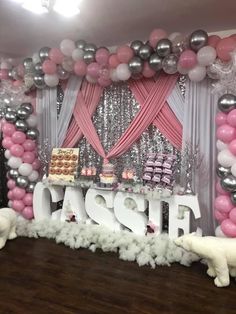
{"points": [[108, 174]]}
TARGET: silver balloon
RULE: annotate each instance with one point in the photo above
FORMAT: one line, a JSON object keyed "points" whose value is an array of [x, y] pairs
{"points": [[164, 47], [62, 73], [11, 117], [155, 62], [28, 65], [28, 106], [32, 134], [229, 183], [29, 80], [145, 52], [135, 65], [44, 53], [23, 113], [212, 72], [80, 43], [198, 39], [10, 75], [179, 44], [222, 171], [22, 182], [89, 56], [10, 109], [14, 73], [136, 45], [233, 197], [30, 187], [13, 174], [38, 68], [169, 64], [227, 102], [21, 125], [2, 113], [39, 81], [90, 47]]}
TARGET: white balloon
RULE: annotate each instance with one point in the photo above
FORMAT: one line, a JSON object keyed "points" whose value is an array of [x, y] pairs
{"points": [[197, 74], [219, 233], [206, 55], [226, 158], [77, 54], [51, 80], [7, 154], [67, 46], [221, 145], [32, 121], [123, 72], [36, 58], [68, 64], [25, 169], [9, 204], [113, 75], [33, 176], [14, 162]]}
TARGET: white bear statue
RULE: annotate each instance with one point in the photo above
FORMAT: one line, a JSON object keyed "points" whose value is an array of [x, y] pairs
{"points": [[219, 253], [8, 219]]}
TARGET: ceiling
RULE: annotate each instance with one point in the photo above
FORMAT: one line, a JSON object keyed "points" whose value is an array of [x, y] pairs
{"points": [[109, 22]]}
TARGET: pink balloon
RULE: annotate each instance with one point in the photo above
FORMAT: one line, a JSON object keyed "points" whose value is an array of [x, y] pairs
{"points": [[232, 215], [226, 133], [4, 74], [28, 157], [17, 83], [29, 145], [231, 118], [7, 142], [18, 137], [11, 184], [103, 82], [21, 70], [36, 164], [124, 53], [93, 69], [18, 193], [220, 216], [188, 59], [220, 190], [229, 228], [18, 205], [8, 129], [223, 203], [80, 68], [28, 213], [232, 147], [147, 71], [113, 61], [224, 47], [10, 195], [156, 35], [17, 150], [102, 56], [56, 55], [213, 40], [221, 118], [28, 199], [49, 67]]}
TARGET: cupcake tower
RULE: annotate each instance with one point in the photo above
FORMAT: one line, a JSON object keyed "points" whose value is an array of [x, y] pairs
{"points": [[159, 171], [108, 179]]}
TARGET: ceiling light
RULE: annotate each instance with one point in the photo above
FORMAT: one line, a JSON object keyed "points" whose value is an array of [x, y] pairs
{"points": [[67, 8], [34, 6]]}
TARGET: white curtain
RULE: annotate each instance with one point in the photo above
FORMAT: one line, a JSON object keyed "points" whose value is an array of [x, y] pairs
{"points": [[176, 103], [199, 130]]}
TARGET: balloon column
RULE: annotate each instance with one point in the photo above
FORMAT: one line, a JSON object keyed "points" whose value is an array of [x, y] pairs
{"points": [[225, 202], [193, 55], [19, 139]]}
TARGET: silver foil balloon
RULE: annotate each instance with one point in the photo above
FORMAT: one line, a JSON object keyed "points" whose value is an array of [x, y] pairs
{"points": [[11, 117], [14, 73], [198, 39], [145, 52], [38, 68], [169, 64], [80, 43], [179, 44], [10, 75], [30, 187], [32, 134], [227, 102], [44, 53], [39, 81], [89, 56], [28, 65], [155, 62], [136, 45], [23, 113], [62, 73], [90, 47], [2, 113], [22, 182], [222, 171], [28, 106], [13, 174], [21, 125], [164, 47], [229, 183], [233, 197], [135, 65], [29, 80]]}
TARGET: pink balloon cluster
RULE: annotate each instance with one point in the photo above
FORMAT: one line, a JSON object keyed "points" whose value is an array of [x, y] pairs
{"points": [[21, 153]]}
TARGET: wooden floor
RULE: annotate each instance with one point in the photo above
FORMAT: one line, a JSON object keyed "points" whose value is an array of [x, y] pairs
{"points": [[39, 276]]}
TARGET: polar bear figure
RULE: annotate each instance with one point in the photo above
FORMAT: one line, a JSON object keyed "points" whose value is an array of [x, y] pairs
{"points": [[8, 219], [219, 253]]}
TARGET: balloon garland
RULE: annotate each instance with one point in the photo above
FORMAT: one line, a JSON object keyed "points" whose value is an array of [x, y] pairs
{"points": [[19, 139], [194, 55]]}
